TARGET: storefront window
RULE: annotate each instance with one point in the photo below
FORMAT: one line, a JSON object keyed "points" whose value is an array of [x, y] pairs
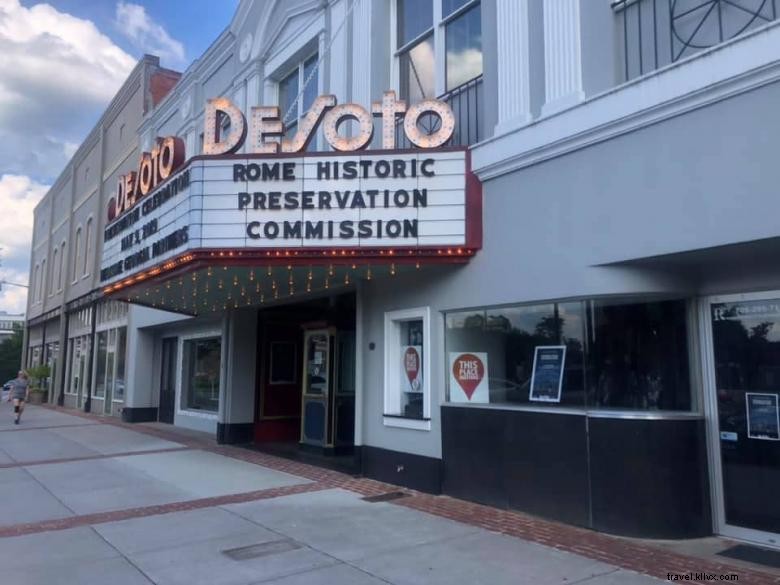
{"points": [[638, 355], [596, 354], [407, 388], [119, 378], [201, 374], [100, 364]]}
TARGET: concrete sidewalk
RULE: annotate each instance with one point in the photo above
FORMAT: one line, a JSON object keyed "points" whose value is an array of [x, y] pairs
{"points": [[97, 503]]}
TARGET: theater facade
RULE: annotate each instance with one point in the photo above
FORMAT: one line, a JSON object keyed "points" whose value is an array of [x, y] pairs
{"points": [[441, 244]]}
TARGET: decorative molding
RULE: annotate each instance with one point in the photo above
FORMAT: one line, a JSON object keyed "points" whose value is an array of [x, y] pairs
{"points": [[705, 78]]}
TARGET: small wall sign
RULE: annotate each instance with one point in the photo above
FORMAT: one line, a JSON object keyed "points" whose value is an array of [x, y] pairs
{"points": [[547, 376]]}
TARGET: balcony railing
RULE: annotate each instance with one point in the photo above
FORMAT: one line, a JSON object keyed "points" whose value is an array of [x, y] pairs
{"points": [[659, 32], [466, 102]]}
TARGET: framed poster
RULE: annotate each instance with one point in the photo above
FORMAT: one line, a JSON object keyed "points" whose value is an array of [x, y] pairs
{"points": [[468, 377], [763, 417], [411, 368], [547, 375]]}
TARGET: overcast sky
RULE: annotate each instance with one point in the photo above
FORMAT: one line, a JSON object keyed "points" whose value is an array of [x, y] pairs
{"points": [[61, 62]]}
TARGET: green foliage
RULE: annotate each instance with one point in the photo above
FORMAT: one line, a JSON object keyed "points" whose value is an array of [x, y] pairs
{"points": [[37, 375], [10, 356]]}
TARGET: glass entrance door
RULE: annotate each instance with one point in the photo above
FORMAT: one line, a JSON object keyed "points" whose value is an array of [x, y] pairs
{"points": [[744, 401]]}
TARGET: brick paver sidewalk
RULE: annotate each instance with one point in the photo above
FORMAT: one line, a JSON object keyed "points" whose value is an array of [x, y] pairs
{"points": [[628, 554]]}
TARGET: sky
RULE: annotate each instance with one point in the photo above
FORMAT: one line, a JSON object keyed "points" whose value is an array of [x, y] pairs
{"points": [[61, 62]]}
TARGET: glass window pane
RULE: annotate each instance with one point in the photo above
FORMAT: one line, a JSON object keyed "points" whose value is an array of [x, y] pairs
{"points": [[464, 48], [638, 355], [414, 18], [411, 369], [418, 71], [311, 91], [200, 374], [450, 6], [288, 91], [119, 383], [100, 370], [500, 346]]}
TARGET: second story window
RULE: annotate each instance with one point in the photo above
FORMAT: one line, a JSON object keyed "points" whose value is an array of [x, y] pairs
{"points": [[426, 28], [76, 253], [289, 88], [87, 246]]}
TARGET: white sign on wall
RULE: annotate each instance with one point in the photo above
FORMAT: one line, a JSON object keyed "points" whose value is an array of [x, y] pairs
{"points": [[403, 200]]}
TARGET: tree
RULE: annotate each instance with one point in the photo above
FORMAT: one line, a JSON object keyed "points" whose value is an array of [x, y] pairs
{"points": [[11, 356]]}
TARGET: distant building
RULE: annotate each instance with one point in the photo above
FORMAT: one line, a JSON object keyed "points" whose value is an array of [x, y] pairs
{"points": [[9, 323]]}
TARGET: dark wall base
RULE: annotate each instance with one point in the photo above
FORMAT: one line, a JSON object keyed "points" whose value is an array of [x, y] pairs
{"points": [[649, 477], [404, 469], [139, 414], [634, 477], [235, 433]]}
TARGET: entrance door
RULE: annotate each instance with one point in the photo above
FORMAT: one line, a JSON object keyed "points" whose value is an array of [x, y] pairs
{"points": [[279, 398], [744, 371], [168, 380], [316, 427]]}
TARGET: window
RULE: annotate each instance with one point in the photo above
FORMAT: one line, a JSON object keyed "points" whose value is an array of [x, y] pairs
{"points": [[425, 26], [87, 246], [61, 266], [42, 281], [622, 354], [76, 252], [121, 132], [201, 361], [55, 276], [407, 359], [110, 364], [34, 283], [100, 367], [283, 363], [79, 355], [290, 86]]}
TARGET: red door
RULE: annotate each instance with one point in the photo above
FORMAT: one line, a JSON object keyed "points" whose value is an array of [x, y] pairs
{"points": [[279, 389]]}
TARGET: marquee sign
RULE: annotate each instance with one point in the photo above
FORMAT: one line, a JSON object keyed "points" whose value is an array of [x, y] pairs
{"points": [[274, 198]]}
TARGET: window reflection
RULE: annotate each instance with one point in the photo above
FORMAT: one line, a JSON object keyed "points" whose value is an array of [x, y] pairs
{"points": [[464, 48], [418, 71], [621, 354], [414, 18], [200, 375]]}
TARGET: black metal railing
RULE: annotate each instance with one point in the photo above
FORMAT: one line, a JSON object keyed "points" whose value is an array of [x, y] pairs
{"points": [[466, 102], [659, 32]]}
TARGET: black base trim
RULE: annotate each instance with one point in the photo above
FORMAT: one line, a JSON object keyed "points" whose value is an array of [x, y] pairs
{"points": [[235, 433], [405, 469], [139, 414]]}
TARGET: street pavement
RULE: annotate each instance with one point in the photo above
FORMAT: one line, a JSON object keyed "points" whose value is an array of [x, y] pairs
{"points": [[97, 503]]}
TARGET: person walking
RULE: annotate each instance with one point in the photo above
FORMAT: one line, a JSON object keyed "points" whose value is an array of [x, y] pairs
{"points": [[20, 389]]}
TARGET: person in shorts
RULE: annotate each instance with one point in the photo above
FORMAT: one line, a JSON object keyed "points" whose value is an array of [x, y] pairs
{"points": [[20, 388]]}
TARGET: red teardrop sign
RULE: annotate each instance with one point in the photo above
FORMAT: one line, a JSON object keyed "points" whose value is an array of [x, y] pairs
{"points": [[468, 370], [411, 364]]}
